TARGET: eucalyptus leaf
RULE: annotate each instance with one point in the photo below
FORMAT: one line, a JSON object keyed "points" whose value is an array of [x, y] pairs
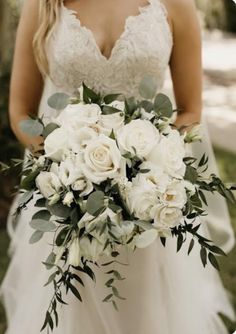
{"points": [[42, 225], [49, 263], [28, 182], [163, 106], [146, 105], [31, 127], [58, 101], [42, 214], [148, 87], [25, 198], [95, 202], [35, 237], [41, 203], [59, 210]]}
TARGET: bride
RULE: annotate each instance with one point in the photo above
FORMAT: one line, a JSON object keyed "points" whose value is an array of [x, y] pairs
{"points": [[111, 45]]}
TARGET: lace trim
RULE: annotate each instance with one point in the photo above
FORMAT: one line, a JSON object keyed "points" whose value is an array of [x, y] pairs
{"points": [[142, 10]]}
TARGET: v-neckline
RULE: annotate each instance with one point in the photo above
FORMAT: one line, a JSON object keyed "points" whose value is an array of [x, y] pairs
{"points": [[74, 14]]}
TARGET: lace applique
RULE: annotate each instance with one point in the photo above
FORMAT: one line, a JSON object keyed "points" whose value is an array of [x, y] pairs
{"points": [[144, 47]]}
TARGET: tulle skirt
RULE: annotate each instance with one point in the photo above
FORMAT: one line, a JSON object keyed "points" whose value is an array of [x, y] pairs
{"points": [[166, 293]]}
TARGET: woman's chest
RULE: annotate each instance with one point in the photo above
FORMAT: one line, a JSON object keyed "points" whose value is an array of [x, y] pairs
{"points": [[144, 46]]}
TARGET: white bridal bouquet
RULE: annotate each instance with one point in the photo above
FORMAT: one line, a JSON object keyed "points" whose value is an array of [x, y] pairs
{"points": [[113, 173]]}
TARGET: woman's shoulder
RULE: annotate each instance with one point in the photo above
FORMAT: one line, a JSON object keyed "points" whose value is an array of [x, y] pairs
{"points": [[180, 11]]}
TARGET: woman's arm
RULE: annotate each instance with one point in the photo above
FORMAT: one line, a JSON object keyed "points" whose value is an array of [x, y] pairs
{"points": [[186, 60], [26, 80]]}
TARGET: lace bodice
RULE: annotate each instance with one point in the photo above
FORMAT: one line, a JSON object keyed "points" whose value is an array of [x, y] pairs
{"points": [[144, 47]]}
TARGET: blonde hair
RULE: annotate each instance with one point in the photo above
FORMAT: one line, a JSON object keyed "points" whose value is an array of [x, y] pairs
{"points": [[48, 17]]}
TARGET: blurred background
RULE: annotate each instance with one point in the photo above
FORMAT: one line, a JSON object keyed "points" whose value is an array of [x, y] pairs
{"points": [[218, 20]]}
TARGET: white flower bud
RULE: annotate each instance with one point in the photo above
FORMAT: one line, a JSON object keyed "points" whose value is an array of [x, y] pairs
{"points": [[54, 199], [59, 253], [194, 134], [68, 199], [74, 253]]}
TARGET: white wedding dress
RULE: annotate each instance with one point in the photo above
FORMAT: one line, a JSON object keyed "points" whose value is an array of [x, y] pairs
{"points": [[167, 293]]}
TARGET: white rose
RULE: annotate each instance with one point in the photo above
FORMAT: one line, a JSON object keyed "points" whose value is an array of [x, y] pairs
{"points": [[48, 184], [79, 114], [156, 175], [175, 195], [169, 153], [142, 197], [138, 137], [68, 199], [111, 122], [165, 218], [56, 145], [101, 159], [74, 253]]}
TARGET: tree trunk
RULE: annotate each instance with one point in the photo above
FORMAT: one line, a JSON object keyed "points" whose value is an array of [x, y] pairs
{"points": [[8, 20]]}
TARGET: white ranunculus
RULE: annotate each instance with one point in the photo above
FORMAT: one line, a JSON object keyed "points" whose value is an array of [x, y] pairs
{"points": [[142, 197], [74, 253], [56, 145], [156, 175], [169, 153], [175, 195], [101, 159], [138, 137], [48, 184], [68, 199], [146, 238], [76, 115], [124, 186], [165, 218], [91, 250], [69, 171], [111, 122]]}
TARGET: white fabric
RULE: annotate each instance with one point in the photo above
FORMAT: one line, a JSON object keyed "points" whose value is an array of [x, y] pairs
{"points": [[167, 293]]}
